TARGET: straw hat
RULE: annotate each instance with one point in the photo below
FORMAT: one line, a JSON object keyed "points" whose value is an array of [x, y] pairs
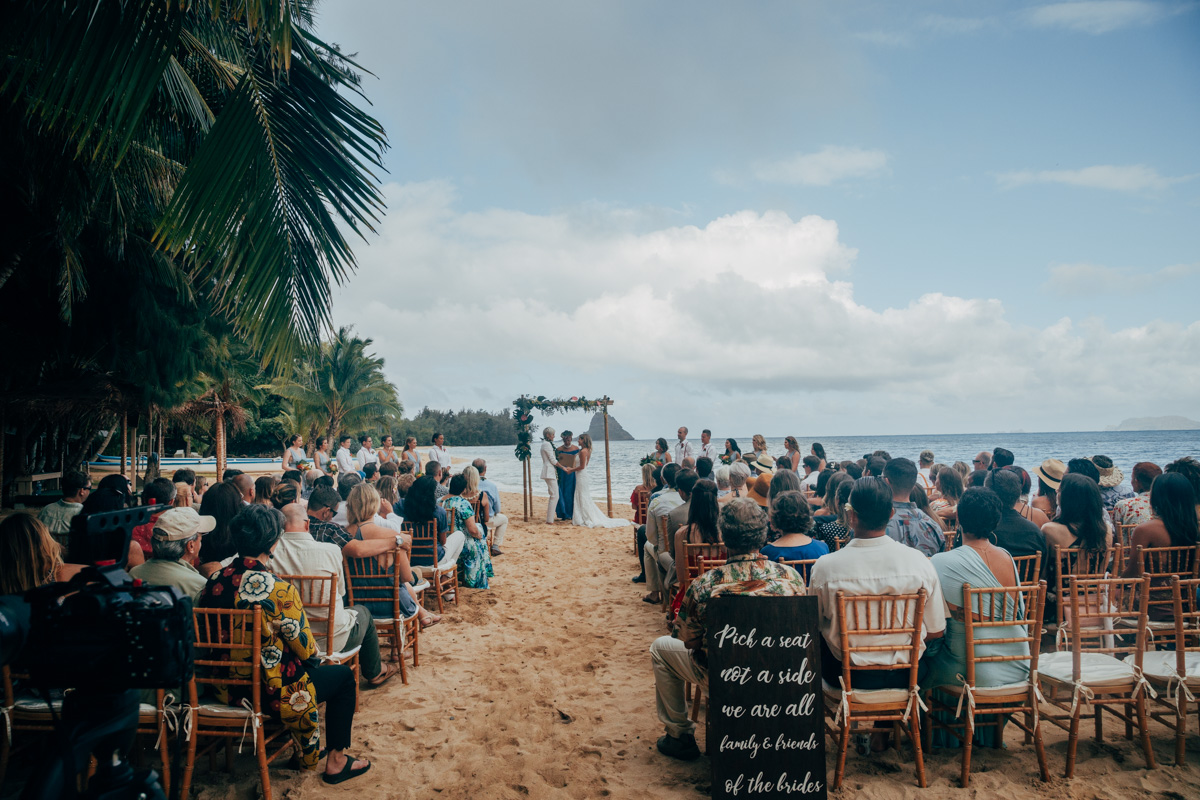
{"points": [[760, 489], [1051, 472], [1110, 474], [762, 463]]}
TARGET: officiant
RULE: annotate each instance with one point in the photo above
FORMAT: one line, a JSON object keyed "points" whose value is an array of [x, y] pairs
{"points": [[567, 454]]}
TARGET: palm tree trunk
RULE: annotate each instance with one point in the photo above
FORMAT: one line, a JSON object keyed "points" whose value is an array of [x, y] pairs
{"points": [[3, 429], [124, 439], [220, 437]]}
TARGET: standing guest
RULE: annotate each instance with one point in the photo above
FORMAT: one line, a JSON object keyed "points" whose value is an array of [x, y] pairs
{"points": [[661, 454], [759, 445], [925, 470], [294, 685], [707, 448], [1013, 532], [982, 461], [1049, 475], [1080, 518], [818, 450], [910, 526], [223, 503], [739, 474], [683, 658], [791, 451], [175, 545], [411, 456], [439, 453], [475, 561], [732, 452], [791, 519], [366, 454], [1112, 485], [1001, 458], [299, 553], [683, 448], [387, 450], [321, 457], [294, 454], [345, 461], [1136, 510], [497, 521], [568, 454], [263, 486], [550, 467], [812, 472], [660, 506], [58, 515]]}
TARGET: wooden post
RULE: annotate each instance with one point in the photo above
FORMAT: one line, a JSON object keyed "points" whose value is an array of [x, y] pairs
{"points": [[3, 430], [607, 457], [124, 439], [525, 488]]}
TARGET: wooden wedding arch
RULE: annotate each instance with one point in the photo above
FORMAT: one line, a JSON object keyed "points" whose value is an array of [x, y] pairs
{"points": [[523, 408]]}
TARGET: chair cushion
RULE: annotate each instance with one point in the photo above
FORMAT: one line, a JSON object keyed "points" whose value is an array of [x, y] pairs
{"points": [[422, 586], [1159, 665], [218, 710], [1007, 690], [1096, 669], [867, 695], [35, 705]]}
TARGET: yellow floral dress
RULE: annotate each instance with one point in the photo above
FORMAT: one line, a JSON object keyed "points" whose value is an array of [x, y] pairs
{"points": [[287, 643]]}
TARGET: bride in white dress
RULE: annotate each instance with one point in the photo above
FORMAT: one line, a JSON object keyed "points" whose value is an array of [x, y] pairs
{"points": [[587, 513]]}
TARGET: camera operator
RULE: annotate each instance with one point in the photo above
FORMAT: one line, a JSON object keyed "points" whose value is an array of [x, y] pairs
{"points": [[294, 680]]}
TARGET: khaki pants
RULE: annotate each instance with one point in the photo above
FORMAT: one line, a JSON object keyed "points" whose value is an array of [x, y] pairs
{"points": [[673, 668], [497, 525], [552, 487], [655, 564]]}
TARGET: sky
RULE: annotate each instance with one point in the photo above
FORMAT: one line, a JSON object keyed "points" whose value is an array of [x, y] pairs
{"points": [[809, 218]]}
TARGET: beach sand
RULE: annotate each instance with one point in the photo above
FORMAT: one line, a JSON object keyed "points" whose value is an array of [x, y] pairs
{"points": [[541, 687]]}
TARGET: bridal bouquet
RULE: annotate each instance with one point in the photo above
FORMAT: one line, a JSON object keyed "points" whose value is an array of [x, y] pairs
{"points": [[303, 466], [649, 459], [333, 468]]}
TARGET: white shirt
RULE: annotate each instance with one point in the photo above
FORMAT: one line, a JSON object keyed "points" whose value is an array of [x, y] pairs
{"points": [[683, 450], [709, 451], [345, 461], [298, 553], [440, 455], [367, 456], [923, 479], [661, 506], [875, 566], [810, 480]]}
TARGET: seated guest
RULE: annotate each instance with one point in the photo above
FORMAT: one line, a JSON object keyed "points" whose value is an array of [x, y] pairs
{"points": [[310, 481], [921, 500], [223, 503], [407, 468], [977, 478], [791, 520], [1014, 533], [475, 562], [1001, 458], [497, 524], [812, 472], [739, 474], [1189, 468], [285, 493], [1049, 475], [646, 488], [1080, 519], [113, 497], [983, 565], [1085, 467], [721, 476], [184, 475], [704, 468], [962, 468], [837, 531], [158, 492], [760, 490], [875, 466], [784, 463], [1175, 520], [910, 526], [660, 484], [370, 472], [391, 468], [389, 493], [660, 506], [433, 469], [292, 475], [1024, 508], [421, 508], [685, 482], [1136, 510], [298, 553], [294, 681], [982, 462], [183, 495], [683, 658], [701, 527], [1111, 480], [785, 480], [29, 556], [198, 490], [245, 486], [229, 474], [873, 563], [58, 515], [176, 549], [345, 485]]}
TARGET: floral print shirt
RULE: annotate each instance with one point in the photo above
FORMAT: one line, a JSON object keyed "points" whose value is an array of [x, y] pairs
{"points": [[1133, 510], [747, 573], [287, 643], [914, 528]]}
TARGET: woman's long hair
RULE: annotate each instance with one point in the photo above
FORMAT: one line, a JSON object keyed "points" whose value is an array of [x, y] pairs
{"points": [[472, 476], [648, 476], [222, 502], [704, 511], [831, 490], [950, 484], [264, 485], [758, 443], [1082, 511], [419, 504], [1173, 501], [29, 556], [661, 445], [843, 499], [732, 445], [819, 451]]}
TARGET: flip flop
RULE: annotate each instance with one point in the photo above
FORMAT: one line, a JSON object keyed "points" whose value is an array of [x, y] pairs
{"points": [[389, 671], [348, 772], [647, 599], [425, 625]]}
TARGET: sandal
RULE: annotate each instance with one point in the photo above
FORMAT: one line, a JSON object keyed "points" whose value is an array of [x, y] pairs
{"points": [[434, 619], [650, 598], [383, 677], [346, 773]]}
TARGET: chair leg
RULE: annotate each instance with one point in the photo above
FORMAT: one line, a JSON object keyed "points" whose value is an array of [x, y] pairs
{"points": [[416, 647], [1041, 753], [229, 756], [164, 754], [6, 745], [1180, 736], [843, 744], [1073, 742], [914, 723], [189, 765], [437, 589], [264, 773], [1144, 729], [398, 647], [967, 746], [1098, 715]]}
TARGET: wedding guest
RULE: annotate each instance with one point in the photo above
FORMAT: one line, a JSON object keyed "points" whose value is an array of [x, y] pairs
{"points": [[837, 531], [760, 490], [158, 492], [704, 468], [1049, 474], [229, 474], [199, 490], [362, 514], [248, 582], [739, 474], [910, 526], [1080, 518], [791, 451], [925, 476], [1174, 525], [184, 475], [183, 495], [791, 520], [370, 472], [683, 658], [389, 493], [475, 562], [117, 483], [921, 500], [1024, 508], [345, 461], [685, 482], [439, 453], [785, 480], [812, 472], [642, 490], [982, 461], [310, 481], [707, 448], [732, 452], [410, 455], [701, 527], [175, 548], [818, 450], [1085, 467], [29, 556], [875, 466], [294, 453], [285, 493], [661, 454], [660, 506], [223, 503], [962, 468], [421, 508], [497, 520], [1136, 510], [1112, 485], [683, 448], [1013, 532], [245, 487], [387, 451], [58, 515], [721, 476], [1189, 468], [1001, 458], [321, 457], [263, 486]]}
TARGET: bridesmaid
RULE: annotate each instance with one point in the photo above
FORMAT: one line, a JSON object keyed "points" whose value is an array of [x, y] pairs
{"points": [[294, 453], [387, 451], [411, 455], [321, 457]]}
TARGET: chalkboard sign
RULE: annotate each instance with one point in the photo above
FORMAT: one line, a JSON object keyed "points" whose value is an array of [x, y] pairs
{"points": [[766, 737]]}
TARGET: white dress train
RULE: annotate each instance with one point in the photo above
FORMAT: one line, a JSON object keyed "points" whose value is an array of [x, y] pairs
{"points": [[587, 513]]}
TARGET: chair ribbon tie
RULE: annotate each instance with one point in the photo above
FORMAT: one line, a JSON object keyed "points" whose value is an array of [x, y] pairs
{"points": [[253, 722], [914, 698], [1080, 690], [1060, 636], [168, 718], [1142, 683], [1038, 699], [968, 694], [1178, 690], [843, 712], [189, 717]]}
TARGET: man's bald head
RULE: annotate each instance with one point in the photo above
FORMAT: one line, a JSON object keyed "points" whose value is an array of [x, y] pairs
{"points": [[295, 518], [245, 485]]}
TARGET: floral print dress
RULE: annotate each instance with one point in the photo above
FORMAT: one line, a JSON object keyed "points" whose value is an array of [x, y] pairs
{"points": [[475, 562], [287, 643]]}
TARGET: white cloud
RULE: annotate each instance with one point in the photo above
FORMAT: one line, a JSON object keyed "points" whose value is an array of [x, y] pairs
{"points": [[939, 23], [822, 168], [750, 313], [1133, 178], [1086, 280], [1096, 16]]}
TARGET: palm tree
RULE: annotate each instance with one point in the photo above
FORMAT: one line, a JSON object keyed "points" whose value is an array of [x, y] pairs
{"points": [[343, 386], [224, 390]]}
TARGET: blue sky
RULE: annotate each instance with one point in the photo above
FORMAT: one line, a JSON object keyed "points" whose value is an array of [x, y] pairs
{"points": [[816, 218]]}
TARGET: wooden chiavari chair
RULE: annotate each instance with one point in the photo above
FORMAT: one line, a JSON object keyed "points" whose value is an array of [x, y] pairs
{"points": [[1176, 672], [1029, 570], [319, 595], [368, 582], [443, 579], [1081, 563]]}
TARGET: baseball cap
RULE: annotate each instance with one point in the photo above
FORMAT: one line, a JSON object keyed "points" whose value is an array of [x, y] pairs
{"points": [[182, 523]]}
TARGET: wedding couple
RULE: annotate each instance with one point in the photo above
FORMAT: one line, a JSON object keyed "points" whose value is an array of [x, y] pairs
{"points": [[565, 471]]}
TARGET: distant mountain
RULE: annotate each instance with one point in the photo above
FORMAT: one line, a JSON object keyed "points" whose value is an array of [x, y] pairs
{"points": [[615, 432], [1156, 424]]}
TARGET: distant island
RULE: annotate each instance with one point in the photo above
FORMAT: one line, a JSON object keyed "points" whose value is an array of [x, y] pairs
{"points": [[1156, 424], [615, 432]]}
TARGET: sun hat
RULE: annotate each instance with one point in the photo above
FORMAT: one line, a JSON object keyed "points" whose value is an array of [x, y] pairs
{"points": [[1051, 472], [1110, 474], [182, 523], [761, 462], [760, 490]]}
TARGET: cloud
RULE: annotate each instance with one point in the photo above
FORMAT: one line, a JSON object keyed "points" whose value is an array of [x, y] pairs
{"points": [[886, 38], [1096, 16], [751, 315], [939, 23], [1134, 178], [828, 165], [1089, 280]]}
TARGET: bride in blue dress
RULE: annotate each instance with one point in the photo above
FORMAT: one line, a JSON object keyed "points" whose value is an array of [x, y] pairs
{"points": [[566, 480]]}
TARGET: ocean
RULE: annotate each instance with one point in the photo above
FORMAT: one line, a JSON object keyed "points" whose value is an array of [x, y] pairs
{"points": [[1125, 448]]}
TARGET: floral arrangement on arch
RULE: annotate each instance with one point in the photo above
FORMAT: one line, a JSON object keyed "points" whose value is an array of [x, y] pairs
{"points": [[524, 406]]}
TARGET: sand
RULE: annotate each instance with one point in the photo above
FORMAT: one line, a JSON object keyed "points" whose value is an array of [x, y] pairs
{"points": [[541, 687]]}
